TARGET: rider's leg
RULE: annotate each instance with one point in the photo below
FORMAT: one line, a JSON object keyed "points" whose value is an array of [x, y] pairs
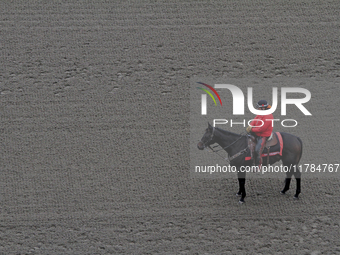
{"points": [[258, 150]]}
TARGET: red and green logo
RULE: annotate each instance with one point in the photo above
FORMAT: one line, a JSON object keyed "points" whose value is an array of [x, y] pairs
{"points": [[208, 92]]}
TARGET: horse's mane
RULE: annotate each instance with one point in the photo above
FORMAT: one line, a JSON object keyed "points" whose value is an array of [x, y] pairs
{"points": [[225, 132]]}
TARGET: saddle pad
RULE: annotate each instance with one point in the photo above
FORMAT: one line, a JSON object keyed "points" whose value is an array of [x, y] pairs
{"points": [[277, 149]]}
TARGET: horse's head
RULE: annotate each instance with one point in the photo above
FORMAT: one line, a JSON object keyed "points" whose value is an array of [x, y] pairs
{"points": [[207, 139]]}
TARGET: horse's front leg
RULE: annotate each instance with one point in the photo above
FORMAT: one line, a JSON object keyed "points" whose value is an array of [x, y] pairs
{"points": [[242, 182]]}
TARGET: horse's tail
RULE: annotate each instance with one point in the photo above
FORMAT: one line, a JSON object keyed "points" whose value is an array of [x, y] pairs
{"points": [[300, 152]]}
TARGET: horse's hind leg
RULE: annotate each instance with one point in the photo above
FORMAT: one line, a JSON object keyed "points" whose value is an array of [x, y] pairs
{"points": [[239, 193], [291, 156], [287, 182], [286, 187], [297, 175], [298, 184]]}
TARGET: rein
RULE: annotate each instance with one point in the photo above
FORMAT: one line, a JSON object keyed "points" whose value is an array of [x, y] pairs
{"points": [[223, 148]]}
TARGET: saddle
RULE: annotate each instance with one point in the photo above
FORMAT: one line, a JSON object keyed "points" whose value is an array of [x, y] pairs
{"points": [[274, 141], [271, 141]]}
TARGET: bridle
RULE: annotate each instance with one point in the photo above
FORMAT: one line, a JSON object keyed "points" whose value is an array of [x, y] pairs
{"points": [[223, 148], [211, 137]]}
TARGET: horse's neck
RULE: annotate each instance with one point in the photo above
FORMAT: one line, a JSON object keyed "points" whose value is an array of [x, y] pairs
{"points": [[226, 141]]}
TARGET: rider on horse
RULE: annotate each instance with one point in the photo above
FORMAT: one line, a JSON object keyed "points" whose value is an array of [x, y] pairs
{"points": [[262, 127]]}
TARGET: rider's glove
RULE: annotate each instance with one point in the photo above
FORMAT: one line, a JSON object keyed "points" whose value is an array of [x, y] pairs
{"points": [[248, 129]]}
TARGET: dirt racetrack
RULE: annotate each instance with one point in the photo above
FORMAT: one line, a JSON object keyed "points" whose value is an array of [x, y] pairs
{"points": [[95, 126]]}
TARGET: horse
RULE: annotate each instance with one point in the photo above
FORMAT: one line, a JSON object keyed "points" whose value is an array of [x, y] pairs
{"points": [[236, 145]]}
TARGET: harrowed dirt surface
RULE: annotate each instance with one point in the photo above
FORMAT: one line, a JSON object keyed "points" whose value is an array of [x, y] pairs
{"points": [[95, 126]]}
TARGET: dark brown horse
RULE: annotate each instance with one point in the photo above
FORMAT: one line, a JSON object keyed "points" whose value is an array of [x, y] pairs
{"points": [[234, 143]]}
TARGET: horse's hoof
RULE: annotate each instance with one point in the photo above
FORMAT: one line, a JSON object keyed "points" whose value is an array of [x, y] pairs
{"points": [[238, 194], [296, 197], [282, 192], [241, 202]]}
